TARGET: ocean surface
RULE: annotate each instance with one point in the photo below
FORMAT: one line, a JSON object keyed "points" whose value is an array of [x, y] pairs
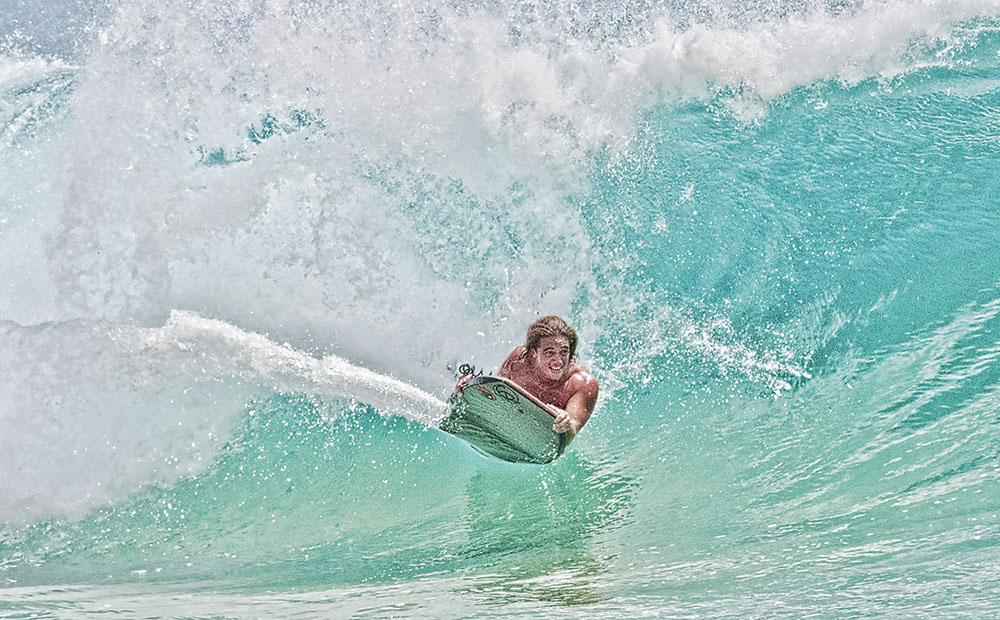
{"points": [[244, 245]]}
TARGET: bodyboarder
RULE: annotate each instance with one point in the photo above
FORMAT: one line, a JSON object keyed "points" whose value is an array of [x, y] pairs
{"points": [[545, 366]]}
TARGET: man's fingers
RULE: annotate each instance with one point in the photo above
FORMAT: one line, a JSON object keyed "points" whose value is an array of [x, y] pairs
{"points": [[561, 423]]}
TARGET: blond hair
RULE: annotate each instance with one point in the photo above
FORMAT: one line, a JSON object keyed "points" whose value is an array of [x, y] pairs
{"points": [[550, 326]]}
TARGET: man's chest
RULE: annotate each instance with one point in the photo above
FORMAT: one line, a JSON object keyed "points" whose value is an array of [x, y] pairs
{"points": [[553, 395]]}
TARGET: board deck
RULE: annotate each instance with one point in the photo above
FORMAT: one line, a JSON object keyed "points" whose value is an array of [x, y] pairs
{"points": [[498, 418]]}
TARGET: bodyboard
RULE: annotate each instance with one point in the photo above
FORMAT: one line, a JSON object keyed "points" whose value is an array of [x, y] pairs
{"points": [[498, 418]]}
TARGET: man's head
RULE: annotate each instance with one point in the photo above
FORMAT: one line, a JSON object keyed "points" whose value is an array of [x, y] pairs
{"points": [[549, 326]]}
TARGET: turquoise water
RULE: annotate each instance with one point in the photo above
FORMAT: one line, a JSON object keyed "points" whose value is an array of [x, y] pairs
{"points": [[244, 245]]}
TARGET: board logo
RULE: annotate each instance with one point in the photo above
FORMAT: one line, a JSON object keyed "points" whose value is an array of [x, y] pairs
{"points": [[505, 393]]}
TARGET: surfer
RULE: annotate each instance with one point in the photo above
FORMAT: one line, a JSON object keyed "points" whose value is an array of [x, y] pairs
{"points": [[545, 366]]}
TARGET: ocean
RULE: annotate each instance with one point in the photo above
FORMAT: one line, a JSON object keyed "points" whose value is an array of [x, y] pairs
{"points": [[245, 245]]}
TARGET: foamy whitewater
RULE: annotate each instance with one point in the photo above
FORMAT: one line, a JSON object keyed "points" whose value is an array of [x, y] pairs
{"points": [[244, 245]]}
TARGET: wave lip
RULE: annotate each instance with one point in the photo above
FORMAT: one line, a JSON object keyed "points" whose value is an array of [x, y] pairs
{"points": [[764, 59]]}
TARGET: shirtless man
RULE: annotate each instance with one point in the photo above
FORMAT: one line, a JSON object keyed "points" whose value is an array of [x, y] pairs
{"points": [[545, 366]]}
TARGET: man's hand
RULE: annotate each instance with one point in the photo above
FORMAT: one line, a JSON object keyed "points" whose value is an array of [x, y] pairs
{"points": [[462, 381], [563, 423]]}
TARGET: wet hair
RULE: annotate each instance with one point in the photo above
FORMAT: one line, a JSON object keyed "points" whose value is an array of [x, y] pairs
{"points": [[550, 326]]}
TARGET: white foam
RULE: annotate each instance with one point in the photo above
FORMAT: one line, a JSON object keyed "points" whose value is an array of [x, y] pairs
{"points": [[19, 70], [758, 61], [91, 413], [437, 188], [84, 424]]}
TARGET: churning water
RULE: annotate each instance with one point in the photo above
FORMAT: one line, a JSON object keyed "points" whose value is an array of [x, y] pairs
{"points": [[244, 244]]}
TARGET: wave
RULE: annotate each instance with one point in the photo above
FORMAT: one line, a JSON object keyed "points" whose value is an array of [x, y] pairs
{"points": [[771, 226]]}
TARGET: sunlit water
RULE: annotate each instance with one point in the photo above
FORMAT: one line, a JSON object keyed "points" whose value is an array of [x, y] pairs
{"points": [[244, 245]]}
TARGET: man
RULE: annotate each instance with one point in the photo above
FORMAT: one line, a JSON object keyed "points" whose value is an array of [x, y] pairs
{"points": [[545, 366]]}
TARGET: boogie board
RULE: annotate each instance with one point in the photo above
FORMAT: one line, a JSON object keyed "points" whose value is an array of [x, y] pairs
{"points": [[500, 419]]}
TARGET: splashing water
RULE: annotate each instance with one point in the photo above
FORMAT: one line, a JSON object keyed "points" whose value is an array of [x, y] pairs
{"points": [[243, 245]]}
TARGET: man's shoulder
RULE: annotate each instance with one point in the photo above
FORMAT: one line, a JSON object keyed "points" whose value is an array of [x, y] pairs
{"points": [[517, 352], [581, 380], [515, 355]]}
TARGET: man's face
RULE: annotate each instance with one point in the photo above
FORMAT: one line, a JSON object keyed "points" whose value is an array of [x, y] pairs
{"points": [[552, 357]]}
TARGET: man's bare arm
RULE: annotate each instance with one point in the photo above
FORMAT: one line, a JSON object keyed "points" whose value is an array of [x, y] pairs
{"points": [[578, 409]]}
